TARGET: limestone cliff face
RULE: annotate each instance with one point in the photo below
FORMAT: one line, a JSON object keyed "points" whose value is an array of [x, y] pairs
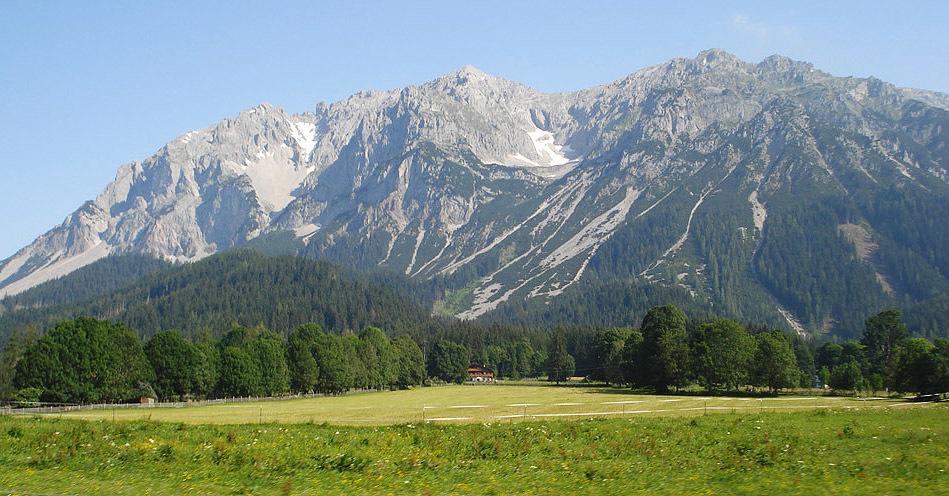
{"points": [[508, 192]]}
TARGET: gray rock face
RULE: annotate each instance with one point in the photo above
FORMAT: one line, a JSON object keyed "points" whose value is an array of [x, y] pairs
{"points": [[505, 191]]}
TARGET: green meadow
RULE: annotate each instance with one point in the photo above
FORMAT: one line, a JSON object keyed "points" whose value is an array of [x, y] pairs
{"points": [[335, 445], [478, 404]]}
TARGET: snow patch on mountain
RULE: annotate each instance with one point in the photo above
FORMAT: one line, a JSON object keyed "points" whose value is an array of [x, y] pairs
{"points": [[549, 151], [304, 133], [552, 161]]}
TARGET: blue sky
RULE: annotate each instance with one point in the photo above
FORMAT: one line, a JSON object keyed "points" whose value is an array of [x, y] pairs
{"points": [[87, 86]]}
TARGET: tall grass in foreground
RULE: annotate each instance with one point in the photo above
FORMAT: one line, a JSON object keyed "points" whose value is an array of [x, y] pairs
{"points": [[875, 451]]}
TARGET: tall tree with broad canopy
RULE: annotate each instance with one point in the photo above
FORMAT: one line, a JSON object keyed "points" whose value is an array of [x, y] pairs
{"points": [[337, 363], [722, 351], [240, 374], [410, 362], [178, 365], [664, 353], [883, 333], [385, 368], [775, 365], [847, 377], [918, 367], [301, 357], [85, 360], [268, 350], [448, 361], [607, 355]]}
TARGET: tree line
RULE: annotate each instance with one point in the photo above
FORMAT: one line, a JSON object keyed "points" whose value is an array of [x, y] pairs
{"points": [[86, 360], [722, 355]]}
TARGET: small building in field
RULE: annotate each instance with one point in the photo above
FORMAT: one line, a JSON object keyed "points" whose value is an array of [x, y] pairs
{"points": [[480, 374], [146, 400]]}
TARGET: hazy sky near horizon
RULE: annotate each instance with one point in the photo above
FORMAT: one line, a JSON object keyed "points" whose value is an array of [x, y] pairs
{"points": [[88, 86]]}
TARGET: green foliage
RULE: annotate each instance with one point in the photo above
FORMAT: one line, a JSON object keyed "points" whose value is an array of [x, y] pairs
{"points": [[16, 346], [882, 335], [809, 266], [847, 377], [301, 357], [560, 364], [633, 372], [337, 362], [28, 396], [383, 368], [607, 352], [864, 451], [240, 374], [664, 353], [775, 365], [85, 361], [179, 366], [206, 378], [246, 288], [96, 279], [721, 353], [268, 351], [269, 374], [410, 362], [448, 361], [920, 367]]}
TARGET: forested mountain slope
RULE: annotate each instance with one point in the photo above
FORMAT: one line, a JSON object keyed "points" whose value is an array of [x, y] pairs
{"points": [[241, 287]]}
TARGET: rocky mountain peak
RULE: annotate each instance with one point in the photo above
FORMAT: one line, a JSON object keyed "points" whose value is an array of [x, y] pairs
{"points": [[513, 195], [716, 57]]}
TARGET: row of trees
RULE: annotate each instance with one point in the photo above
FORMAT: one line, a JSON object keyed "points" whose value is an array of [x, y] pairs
{"points": [[88, 360], [719, 355], [885, 357], [723, 355]]}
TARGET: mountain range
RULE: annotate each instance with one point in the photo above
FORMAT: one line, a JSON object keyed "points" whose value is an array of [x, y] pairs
{"points": [[769, 191]]}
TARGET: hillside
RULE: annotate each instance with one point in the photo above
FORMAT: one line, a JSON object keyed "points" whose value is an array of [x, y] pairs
{"points": [[240, 287]]}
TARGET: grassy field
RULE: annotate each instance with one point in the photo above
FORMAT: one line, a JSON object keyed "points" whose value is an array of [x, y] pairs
{"points": [[827, 451], [474, 404]]}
